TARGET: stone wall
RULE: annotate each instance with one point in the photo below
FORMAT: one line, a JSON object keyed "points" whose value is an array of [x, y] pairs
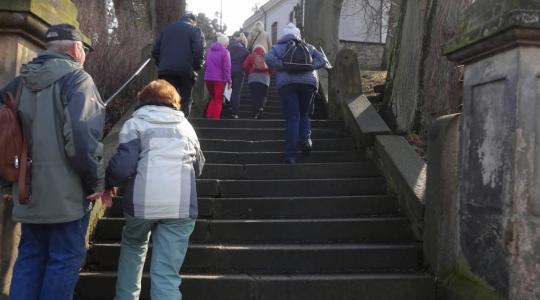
{"points": [[443, 233], [369, 55], [483, 240]]}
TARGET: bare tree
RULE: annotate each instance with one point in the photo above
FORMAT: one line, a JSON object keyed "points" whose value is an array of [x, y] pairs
{"points": [[168, 11], [122, 34], [373, 12], [422, 84]]}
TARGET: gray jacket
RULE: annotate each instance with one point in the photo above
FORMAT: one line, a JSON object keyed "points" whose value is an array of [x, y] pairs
{"points": [[62, 116]]}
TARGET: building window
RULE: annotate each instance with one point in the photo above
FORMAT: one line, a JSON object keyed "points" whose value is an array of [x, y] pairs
{"points": [[274, 32], [291, 17]]}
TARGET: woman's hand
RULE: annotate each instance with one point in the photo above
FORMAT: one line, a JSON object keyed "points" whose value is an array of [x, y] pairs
{"points": [[108, 196]]}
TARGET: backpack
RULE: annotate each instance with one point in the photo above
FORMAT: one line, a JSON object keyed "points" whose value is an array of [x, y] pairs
{"points": [[14, 151], [297, 57], [258, 63]]}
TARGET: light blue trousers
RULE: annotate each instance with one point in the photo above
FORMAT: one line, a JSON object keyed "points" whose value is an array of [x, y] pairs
{"points": [[170, 239]]}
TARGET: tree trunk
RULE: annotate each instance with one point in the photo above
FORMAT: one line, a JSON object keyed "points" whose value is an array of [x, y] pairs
{"points": [[441, 78], [421, 84], [168, 11]]}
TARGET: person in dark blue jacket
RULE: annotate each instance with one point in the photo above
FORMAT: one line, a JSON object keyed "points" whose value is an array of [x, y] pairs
{"points": [[179, 54], [296, 92], [239, 52]]}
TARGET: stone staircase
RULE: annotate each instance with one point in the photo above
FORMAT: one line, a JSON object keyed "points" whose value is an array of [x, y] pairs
{"points": [[324, 228]]}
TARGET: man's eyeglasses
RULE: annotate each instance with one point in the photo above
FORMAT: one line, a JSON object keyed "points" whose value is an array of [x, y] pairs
{"points": [[85, 48]]}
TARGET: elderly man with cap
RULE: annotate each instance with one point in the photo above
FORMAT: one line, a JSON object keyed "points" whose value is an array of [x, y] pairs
{"points": [[179, 54], [62, 116]]}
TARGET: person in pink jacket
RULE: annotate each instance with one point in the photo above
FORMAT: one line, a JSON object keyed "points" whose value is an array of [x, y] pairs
{"points": [[217, 75]]}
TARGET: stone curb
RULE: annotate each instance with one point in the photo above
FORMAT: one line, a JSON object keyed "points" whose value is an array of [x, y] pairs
{"points": [[403, 168]]}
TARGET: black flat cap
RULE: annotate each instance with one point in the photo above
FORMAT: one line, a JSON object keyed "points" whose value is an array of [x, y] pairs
{"points": [[60, 32], [190, 15]]}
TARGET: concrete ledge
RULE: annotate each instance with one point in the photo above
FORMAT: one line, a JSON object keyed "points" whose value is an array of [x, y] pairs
{"points": [[405, 172], [366, 122], [441, 222]]}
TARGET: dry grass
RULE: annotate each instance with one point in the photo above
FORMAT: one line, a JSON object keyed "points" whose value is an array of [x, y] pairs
{"points": [[371, 79]]}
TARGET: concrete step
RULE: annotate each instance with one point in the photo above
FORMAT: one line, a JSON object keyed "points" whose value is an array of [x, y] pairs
{"points": [[271, 101], [267, 108], [270, 115], [259, 134], [288, 207], [276, 145], [263, 123], [271, 93], [286, 171], [277, 158], [269, 105], [212, 286], [345, 230], [280, 258], [291, 187]]}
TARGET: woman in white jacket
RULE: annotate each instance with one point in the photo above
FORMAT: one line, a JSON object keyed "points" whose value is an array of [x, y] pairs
{"points": [[159, 158]]}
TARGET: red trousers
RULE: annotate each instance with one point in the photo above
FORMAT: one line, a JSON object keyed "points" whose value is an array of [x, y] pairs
{"points": [[215, 89]]}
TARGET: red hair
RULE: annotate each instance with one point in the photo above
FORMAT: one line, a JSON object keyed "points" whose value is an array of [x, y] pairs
{"points": [[160, 91]]}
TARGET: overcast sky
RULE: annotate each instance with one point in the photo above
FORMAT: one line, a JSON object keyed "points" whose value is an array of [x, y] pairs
{"points": [[235, 12]]}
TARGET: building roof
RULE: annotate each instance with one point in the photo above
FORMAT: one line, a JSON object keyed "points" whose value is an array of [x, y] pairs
{"points": [[258, 15]]}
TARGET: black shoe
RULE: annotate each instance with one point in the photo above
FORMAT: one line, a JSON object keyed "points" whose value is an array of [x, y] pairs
{"points": [[290, 161], [306, 147], [259, 115]]}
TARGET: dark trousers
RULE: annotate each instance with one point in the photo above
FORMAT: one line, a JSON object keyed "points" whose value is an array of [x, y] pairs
{"points": [[184, 86], [296, 102], [50, 256], [237, 82], [258, 95]]}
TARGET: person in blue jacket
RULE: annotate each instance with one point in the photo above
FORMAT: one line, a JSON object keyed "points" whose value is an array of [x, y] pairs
{"points": [[296, 91]]}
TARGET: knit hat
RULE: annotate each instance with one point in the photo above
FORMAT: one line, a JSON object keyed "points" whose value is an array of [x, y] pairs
{"points": [[291, 29], [222, 39]]}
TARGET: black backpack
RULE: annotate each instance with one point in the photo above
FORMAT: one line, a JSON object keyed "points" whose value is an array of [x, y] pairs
{"points": [[297, 57]]}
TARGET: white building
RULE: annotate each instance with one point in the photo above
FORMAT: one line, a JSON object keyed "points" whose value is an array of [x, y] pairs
{"points": [[362, 26], [361, 20], [274, 14]]}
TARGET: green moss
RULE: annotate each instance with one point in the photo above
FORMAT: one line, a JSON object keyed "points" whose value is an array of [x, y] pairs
{"points": [[15, 5], [54, 12], [50, 12], [460, 283], [484, 20]]}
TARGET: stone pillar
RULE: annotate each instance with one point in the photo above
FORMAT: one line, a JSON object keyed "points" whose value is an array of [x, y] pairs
{"points": [[23, 24], [345, 84], [499, 168]]}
